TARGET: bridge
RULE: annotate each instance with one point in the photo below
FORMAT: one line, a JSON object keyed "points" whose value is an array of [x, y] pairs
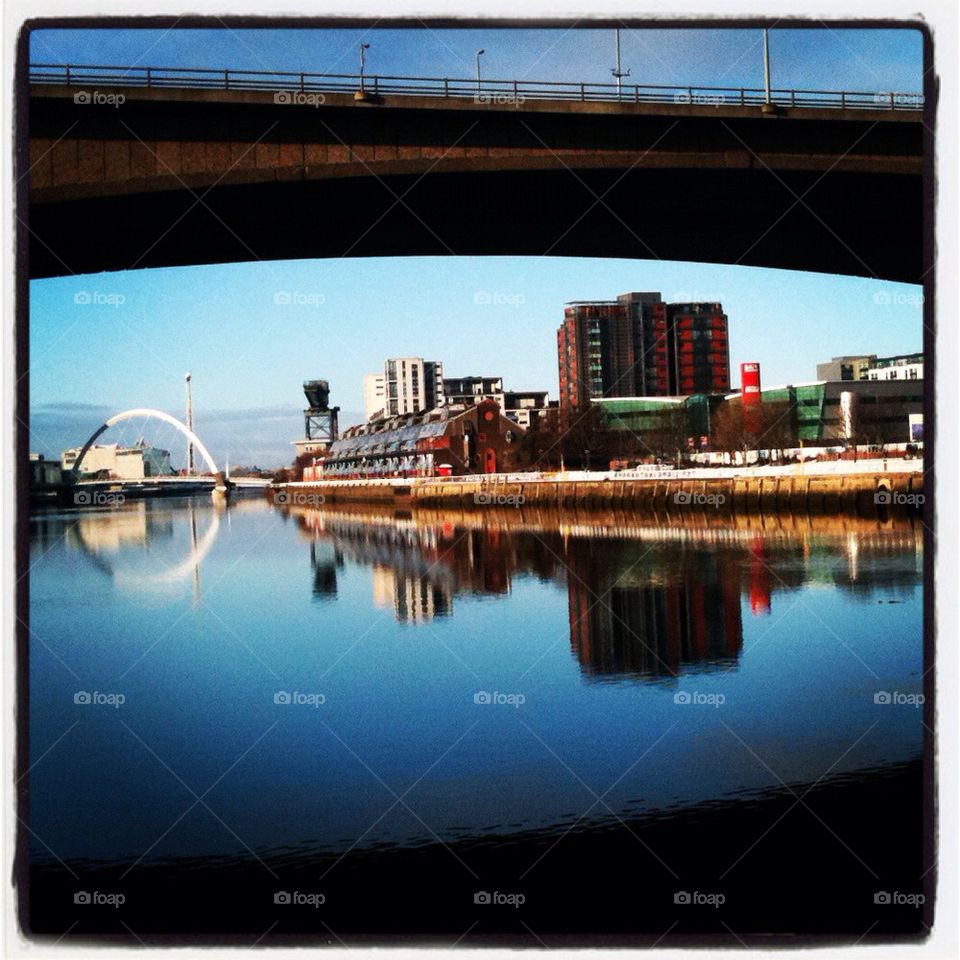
{"points": [[146, 167], [222, 484]]}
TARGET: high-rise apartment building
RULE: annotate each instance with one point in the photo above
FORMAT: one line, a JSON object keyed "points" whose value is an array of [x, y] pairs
{"points": [[697, 348], [639, 346], [407, 384], [374, 395]]}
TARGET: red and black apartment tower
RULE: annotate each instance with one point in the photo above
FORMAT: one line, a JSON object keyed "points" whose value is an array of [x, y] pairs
{"points": [[639, 346]]}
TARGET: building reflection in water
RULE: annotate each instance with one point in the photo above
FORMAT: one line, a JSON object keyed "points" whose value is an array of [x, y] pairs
{"points": [[134, 524], [325, 560], [135, 543], [417, 570], [413, 599], [759, 579], [631, 618], [643, 600]]}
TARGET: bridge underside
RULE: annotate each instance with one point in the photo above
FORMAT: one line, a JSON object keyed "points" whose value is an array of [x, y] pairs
{"points": [[184, 177], [858, 223]]}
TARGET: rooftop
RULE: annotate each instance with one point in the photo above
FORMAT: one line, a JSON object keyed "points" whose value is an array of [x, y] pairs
{"points": [[901, 358]]}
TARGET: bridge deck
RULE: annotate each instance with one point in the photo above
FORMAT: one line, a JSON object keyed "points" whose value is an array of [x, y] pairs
{"points": [[196, 173], [288, 86]]}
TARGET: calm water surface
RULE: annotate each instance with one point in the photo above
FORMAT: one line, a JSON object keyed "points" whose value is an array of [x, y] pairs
{"points": [[296, 683]]}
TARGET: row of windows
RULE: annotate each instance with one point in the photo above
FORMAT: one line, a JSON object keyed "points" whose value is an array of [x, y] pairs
{"points": [[911, 375]]}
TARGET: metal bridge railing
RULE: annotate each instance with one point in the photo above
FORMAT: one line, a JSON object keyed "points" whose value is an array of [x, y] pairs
{"points": [[495, 92]]}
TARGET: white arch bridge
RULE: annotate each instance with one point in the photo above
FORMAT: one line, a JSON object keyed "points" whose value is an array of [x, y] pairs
{"points": [[222, 482]]}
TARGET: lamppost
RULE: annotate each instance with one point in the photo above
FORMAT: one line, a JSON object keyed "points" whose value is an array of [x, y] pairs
{"points": [[766, 67], [363, 47], [616, 70], [479, 54], [187, 378]]}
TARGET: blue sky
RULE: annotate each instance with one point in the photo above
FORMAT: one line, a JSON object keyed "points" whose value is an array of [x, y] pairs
{"points": [[822, 58], [249, 351]]}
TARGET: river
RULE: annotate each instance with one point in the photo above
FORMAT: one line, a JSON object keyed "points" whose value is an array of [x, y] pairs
{"points": [[345, 723]]}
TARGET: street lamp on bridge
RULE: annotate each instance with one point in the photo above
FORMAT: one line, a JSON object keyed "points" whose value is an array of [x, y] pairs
{"points": [[363, 47], [617, 72], [479, 54], [766, 70]]}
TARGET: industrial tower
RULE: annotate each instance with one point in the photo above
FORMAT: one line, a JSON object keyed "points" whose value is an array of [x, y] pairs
{"points": [[319, 419]]}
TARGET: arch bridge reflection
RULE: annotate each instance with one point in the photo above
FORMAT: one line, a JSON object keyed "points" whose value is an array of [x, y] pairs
{"points": [[111, 538]]}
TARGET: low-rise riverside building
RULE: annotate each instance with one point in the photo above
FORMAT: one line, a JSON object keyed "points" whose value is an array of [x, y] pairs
{"points": [[451, 440], [113, 461], [871, 412]]}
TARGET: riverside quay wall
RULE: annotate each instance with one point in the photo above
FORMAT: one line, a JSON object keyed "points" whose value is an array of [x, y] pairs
{"points": [[855, 494]]}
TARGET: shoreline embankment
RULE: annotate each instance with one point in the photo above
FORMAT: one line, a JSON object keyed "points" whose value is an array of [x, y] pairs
{"points": [[858, 494]]}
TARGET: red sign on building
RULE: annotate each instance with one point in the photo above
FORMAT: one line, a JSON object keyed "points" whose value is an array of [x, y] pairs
{"points": [[750, 396]]}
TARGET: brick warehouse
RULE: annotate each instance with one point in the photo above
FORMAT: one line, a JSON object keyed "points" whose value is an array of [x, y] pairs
{"points": [[445, 441]]}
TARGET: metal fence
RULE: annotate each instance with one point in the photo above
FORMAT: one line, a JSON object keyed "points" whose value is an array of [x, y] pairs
{"points": [[496, 92]]}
